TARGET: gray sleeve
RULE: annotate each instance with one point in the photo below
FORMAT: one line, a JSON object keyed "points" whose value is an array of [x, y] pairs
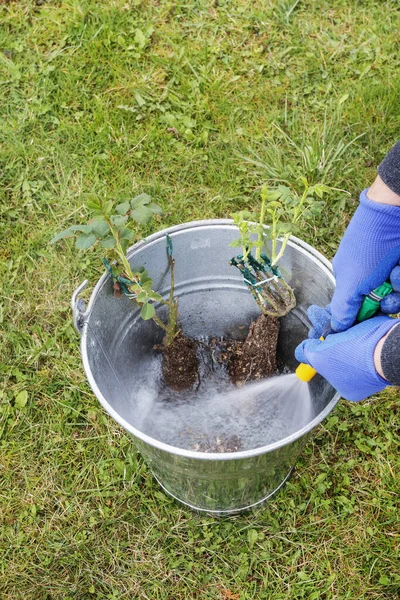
{"points": [[390, 356], [389, 169]]}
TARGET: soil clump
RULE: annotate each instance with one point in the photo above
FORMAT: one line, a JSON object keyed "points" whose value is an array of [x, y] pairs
{"points": [[180, 365], [255, 357]]}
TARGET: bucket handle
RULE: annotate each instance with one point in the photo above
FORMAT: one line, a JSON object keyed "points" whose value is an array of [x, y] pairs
{"points": [[78, 305]]}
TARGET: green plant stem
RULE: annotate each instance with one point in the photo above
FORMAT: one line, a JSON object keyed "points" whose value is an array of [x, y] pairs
{"points": [[298, 208], [158, 321], [296, 216], [260, 229], [282, 250], [273, 239], [129, 273], [172, 330], [121, 253]]}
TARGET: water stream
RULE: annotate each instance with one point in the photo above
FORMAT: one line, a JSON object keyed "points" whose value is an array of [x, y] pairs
{"points": [[218, 416]]}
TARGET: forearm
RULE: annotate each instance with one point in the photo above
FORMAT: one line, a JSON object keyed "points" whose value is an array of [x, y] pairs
{"points": [[389, 169], [386, 187], [387, 356], [386, 190]]}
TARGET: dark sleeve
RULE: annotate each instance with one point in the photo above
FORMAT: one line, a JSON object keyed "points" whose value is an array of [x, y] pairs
{"points": [[390, 356], [389, 169]]}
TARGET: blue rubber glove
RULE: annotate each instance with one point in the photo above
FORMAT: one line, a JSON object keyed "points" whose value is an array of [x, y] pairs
{"points": [[368, 252], [346, 359], [390, 305], [321, 321]]}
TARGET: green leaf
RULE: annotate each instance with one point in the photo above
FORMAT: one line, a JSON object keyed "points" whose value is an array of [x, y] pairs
{"points": [[155, 296], [107, 207], [142, 297], [83, 242], [126, 234], [108, 242], [122, 208], [285, 192], [119, 466], [274, 204], [119, 221], [63, 234], [273, 195], [83, 228], [147, 285], [236, 243], [252, 536], [155, 208], [254, 228], [92, 202], [140, 38], [141, 102], [142, 215], [285, 228], [144, 276], [140, 200], [100, 228], [70, 232], [21, 399], [148, 311]]}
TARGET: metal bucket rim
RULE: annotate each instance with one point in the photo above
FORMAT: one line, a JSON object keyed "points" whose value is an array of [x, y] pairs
{"points": [[173, 449]]}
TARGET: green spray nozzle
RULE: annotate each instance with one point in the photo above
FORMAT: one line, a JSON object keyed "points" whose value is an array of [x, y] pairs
{"points": [[371, 303]]}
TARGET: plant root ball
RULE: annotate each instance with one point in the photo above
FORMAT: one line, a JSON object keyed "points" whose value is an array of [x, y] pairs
{"points": [[255, 358], [180, 365]]}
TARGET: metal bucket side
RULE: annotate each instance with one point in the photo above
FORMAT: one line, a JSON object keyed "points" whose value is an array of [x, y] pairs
{"points": [[225, 482]]}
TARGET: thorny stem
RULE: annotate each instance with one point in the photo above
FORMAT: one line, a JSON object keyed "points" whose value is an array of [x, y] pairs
{"points": [[171, 327], [172, 330], [261, 228], [161, 324]]}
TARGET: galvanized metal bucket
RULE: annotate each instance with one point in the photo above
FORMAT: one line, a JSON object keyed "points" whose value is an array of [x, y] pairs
{"points": [[213, 301]]}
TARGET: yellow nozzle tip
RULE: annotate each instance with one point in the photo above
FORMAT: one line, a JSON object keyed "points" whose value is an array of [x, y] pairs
{"points": [[305, 372]]}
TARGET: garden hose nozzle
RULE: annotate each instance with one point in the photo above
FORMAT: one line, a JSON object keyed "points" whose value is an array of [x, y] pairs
{"points": [[371, 303], [368, 309], [306, 372]]}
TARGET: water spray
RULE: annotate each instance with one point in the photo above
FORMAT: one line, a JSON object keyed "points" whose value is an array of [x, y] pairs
{"points": [[286, 395]]}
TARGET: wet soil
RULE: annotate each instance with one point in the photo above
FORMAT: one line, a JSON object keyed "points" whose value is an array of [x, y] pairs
{"points": [[255, 358], [180, 365], [223, 443]]}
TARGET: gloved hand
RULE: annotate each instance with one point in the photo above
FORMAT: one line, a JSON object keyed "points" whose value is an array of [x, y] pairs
{"points": [[346, 359], [368, 253], [390, 305]]}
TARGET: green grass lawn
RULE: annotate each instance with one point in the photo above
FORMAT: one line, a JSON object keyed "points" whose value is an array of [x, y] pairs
{"points": [[196, 102]]}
